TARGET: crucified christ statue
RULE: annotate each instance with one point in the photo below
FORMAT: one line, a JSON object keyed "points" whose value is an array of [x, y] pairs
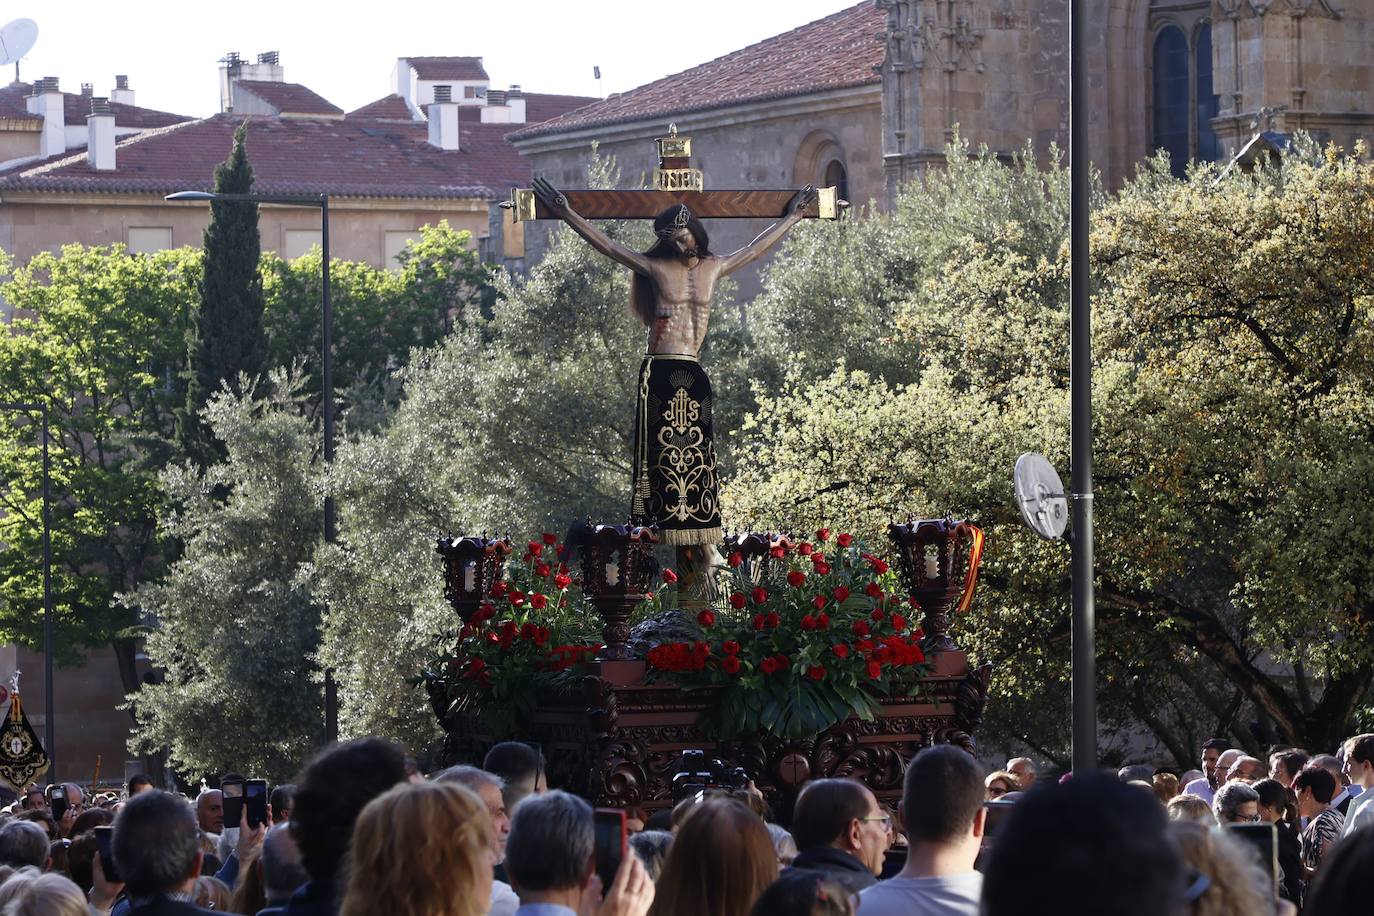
{"points": [[675, 484]]}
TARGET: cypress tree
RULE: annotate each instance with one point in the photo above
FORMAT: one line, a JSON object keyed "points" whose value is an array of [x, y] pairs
{"points": [[228, 336]]}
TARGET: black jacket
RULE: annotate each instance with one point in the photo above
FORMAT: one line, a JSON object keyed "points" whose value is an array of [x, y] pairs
{"points": [[852, 874], [162, 906]]}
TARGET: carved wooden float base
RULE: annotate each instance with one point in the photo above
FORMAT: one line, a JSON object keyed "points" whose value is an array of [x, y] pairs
{"points": [[619, 745]]}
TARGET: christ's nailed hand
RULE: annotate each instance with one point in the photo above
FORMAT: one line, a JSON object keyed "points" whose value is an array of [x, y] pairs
{"points": [[550, 196]]}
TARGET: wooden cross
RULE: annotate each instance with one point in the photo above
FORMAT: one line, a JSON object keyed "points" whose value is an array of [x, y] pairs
{"points": [[675, 181]]}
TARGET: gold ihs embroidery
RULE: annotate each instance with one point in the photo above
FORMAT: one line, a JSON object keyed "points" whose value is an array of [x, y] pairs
{"points": [[682, 411]]}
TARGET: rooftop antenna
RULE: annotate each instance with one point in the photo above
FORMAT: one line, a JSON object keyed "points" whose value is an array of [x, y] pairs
{"points": [[17, 39]]}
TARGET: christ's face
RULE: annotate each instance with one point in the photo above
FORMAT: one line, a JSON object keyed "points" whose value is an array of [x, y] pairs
{"points": [[685, 242]]}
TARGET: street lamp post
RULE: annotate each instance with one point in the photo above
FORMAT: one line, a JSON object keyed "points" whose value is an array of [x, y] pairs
{"points": [[49, 718], [320, 202]]}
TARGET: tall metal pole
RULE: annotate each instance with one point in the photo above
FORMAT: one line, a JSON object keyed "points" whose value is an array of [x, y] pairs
{"points": [[1080, 399], [331, 699], [49, 717]]}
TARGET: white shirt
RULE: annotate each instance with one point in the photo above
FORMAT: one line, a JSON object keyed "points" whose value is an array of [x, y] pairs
{"points": [[954, 895], [503, 900], [1202, 789], [1361, 813]]}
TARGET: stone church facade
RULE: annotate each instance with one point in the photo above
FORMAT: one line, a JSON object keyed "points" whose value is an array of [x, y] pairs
{"points": [[868, 97]]}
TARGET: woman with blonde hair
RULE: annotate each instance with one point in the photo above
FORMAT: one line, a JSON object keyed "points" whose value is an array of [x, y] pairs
{"points": [[1229, 880], [999, 783], [720, 862], [28, 893], [420, 849], [1190, 808], [1166, 787]]}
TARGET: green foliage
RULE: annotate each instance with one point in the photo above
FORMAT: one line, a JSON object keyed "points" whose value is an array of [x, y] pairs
{"points": [[234, 625], [98, 336], [229, 337]]}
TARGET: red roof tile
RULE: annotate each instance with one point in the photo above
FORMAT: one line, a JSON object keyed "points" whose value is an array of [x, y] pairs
{"points": [[448, 68], [290, 98], [387, 108], [839, 51], [344, 157], [13, 104], [539, 106]]}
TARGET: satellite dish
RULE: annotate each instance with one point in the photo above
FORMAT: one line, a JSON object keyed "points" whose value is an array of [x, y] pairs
{"points": [[16, 40], [1040, 495]]}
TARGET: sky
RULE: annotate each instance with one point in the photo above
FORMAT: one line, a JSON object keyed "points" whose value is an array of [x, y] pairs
{"points": [[345, 50]]}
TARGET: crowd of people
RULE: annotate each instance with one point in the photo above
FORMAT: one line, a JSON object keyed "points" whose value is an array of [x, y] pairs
{"points": [[362, 832]]}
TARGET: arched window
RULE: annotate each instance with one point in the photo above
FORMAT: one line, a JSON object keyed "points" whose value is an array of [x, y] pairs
{"points": [[1171, 96], [836, 177], [1208, 146]]}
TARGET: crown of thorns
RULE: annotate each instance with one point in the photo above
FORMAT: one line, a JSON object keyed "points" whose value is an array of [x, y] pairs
{"points": [[680, 221]]}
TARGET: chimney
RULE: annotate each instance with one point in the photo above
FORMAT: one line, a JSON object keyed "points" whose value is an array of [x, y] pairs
{"points": [[46, 102], [233, 68], [495, 110], [516, 100], [100, 132], [87, 91], [443, 119], [121, 93]]}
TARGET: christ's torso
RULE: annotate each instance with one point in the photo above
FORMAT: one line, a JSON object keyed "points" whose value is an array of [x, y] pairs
{"points": [[682, 293]]}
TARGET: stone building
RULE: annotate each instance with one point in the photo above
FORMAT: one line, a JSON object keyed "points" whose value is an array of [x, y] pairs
{"points": [[868, 97]]}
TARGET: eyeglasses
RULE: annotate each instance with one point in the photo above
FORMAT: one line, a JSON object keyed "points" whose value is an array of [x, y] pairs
{"points": [[1245, 818], [997, 791], [885, 818]]}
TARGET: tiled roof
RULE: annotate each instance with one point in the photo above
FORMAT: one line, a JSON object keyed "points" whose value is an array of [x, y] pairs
{"points": [[541, 107], [13, 104], [538, 107], [448, 68], [387, 108], [839, 51], [344, 157], [290, 98]]}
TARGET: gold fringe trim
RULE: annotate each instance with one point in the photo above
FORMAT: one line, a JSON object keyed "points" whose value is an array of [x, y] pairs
{"points": [[691, 537]]}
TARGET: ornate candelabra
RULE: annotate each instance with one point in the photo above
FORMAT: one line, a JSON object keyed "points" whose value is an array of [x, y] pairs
{"points": [[617, 568], [472, 565], [939, 561]]}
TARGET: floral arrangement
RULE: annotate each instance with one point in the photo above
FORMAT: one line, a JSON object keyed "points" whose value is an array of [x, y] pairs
{"points": [[806, 637], [800, 639]]}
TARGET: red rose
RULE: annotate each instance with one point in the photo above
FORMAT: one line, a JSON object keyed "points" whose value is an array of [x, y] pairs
{"points": [[860, 628], [822, 568], [805, 549], [535, 548], [823, 621], [735, 559], [783, 661], [816, 672], [669, 576], [729, 664], [562, 581], [772, 621], [864, 645], [758, 621], [877, 615], [874, 590], [706, 619], [730, 647], [844, 540], [759, 595], [486, 611], [769, 665], [808, 622], [915, 605], [528, 630], [840, 650], [823, 535], [778, 552], [879, 566], [493, 637], [541, 636], [517, 597], [841, 593], [538, 601], [898, 622], [875, 670], [466, 632], [499, 589], [795, 578], [737, 600], [550, 538], [541, 569], [477, 666], [818, 602]]}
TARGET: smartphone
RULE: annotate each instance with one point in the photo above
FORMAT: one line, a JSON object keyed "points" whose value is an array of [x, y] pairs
{"points": [[1264, 838], [612, 842], [104, 837], [233, 800], [57, 801], [255, 798]]}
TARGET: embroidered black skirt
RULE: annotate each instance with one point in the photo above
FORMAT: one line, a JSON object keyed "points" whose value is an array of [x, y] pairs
{"points": [[675, 452]]}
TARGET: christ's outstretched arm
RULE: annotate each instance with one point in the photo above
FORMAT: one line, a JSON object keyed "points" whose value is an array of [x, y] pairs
{"points": [[770, 236], [552, 198]]}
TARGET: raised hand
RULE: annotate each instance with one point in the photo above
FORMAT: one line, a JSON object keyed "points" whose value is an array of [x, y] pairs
{"points": [[801, 200], [550, 196]]}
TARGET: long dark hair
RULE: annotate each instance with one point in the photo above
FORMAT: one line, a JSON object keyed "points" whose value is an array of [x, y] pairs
{"points": [[641, 287]]}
